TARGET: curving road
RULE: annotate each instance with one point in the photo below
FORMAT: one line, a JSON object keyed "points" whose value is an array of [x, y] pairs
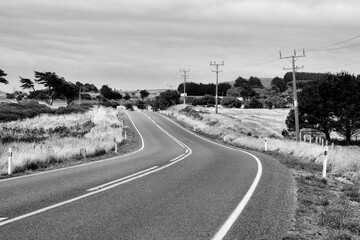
{"points": [[176, 186]]}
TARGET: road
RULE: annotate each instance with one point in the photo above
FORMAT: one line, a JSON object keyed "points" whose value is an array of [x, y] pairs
{"points": [[175, 186]]}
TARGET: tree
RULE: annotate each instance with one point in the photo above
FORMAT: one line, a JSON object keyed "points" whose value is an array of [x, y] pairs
{"points": [[234, 92], [144, 94], [255, 82], [230, 102], [254, 103], [315, 107], [69, 91], [241, 82], [165, 100], [127, 96], [27, 83], [278, 84], [346, 99], [108, 93], [2, 79], [223, 88], [53, 83]]}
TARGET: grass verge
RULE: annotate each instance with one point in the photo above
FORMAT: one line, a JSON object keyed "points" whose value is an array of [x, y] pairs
{"points": [[55, 153]]}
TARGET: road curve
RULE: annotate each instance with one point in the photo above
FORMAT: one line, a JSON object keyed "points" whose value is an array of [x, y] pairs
{"points": [[174, 188]]}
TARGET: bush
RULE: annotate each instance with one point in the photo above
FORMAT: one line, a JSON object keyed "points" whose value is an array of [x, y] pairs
{"points": [[205, 100], [254, 103], [129, 106], [230, 102]]}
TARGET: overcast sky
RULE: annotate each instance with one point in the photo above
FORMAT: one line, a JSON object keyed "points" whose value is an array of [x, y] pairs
{"points": [[142, 44]]}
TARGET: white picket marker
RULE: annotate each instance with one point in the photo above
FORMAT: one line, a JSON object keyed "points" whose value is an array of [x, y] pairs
{"points": [[325, 161], [115, 141], [265, 148], [125, 135], [10, 162]]}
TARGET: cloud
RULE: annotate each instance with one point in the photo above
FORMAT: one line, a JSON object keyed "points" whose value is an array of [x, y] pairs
{"points": [[144, 43]]}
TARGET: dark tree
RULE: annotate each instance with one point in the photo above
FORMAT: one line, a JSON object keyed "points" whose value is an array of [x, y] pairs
{"points": [[69, 91], [144, 94], [52, 82], [2, 79], [345, 95], [27, 83], [255, 82], [223, 88], [241, 82], [254, 103], [127, 96], [165, 100], [316, 107], [108, 93], [278, 84]]}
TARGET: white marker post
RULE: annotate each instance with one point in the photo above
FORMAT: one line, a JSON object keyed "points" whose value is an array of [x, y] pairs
{"points": [[265, 148], [125, 135], [115, 141], [10, 162], [325, 161], [194, 127]]}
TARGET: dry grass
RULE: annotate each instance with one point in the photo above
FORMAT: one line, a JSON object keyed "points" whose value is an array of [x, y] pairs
{"points": [[249, 127], [55, 149]]}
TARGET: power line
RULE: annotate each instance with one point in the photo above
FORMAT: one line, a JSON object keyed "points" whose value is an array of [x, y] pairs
{"points": [[333, 44], [216, 65], [293, 58]]}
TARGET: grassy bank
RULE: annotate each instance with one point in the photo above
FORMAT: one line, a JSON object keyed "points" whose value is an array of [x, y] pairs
{"points": [[326, 208], [50, 139]]}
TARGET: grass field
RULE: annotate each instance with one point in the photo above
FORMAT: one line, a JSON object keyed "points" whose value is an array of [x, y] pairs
{"points": [[58, 143]]}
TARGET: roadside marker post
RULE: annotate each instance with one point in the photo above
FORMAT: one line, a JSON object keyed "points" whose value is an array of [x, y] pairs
{"points": [[265, 148], [125, 135], [115, 141], [10, 162], [325, 161]]}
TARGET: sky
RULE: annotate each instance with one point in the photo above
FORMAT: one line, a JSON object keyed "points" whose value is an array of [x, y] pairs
{"points": [[143, 44]]}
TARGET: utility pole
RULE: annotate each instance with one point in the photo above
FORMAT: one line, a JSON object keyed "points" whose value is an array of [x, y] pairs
{"points": [[185, 76], [216, 65], [293, 58]]}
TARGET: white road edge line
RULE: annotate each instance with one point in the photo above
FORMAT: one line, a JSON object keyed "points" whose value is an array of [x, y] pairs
{"points": [[85, 164], [95, 192], [224, 229], [3, 218], [120, 179]]}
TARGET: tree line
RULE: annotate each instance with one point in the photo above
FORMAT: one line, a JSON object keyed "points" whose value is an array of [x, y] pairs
{"points": [[331, 103]]}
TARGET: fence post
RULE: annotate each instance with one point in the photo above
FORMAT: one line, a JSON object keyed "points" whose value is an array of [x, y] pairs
{"points": [[10, 162], [310, 139], [325, 161]]}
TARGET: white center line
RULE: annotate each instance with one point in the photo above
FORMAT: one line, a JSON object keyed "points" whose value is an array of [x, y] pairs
{"points": [[120, 179]]}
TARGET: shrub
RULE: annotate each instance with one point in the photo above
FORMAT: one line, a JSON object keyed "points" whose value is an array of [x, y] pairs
{"points": [[254, 103], [230, 102], [129, 106]]}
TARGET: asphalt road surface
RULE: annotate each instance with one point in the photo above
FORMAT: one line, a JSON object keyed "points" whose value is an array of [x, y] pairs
{"points": [[175, 186]]}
